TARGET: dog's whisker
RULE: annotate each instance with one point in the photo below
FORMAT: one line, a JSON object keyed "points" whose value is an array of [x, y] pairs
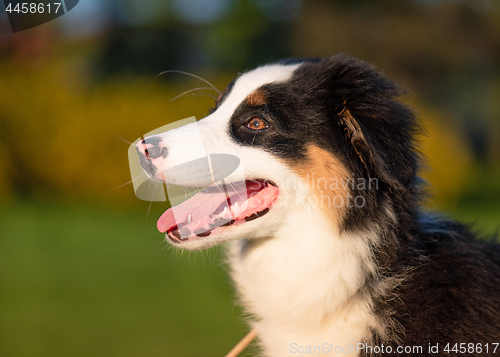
{"points": [[191, 91], [165, 246], [198, 94], [172, 254], [202, 258], [122, 185], [235, 190], [212, 259], [205, 94], [218, 187], [150, 202], [128, 182], [149, 209], [122, 139], [189, 74]]}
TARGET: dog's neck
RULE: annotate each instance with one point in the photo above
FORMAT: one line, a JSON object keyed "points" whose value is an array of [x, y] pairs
{"points": [[306, 280]]}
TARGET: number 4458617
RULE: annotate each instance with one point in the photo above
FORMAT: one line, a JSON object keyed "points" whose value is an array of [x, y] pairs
{"points": [[34, 8], [471, 348]]}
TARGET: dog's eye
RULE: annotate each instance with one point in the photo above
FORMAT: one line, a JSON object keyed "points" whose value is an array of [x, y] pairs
{"points": [[256, 124]]}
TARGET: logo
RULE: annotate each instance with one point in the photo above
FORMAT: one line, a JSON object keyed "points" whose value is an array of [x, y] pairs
{"points": [[27, 14]]}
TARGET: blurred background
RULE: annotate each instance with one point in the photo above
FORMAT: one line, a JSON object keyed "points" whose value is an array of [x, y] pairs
{"points": [[83, 271]]}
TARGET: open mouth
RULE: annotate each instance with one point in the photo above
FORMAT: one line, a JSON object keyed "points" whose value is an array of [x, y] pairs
{"points": [[218, 207]]}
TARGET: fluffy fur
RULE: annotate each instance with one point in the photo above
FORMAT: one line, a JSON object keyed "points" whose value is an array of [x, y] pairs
{"points": [[319, 274]]}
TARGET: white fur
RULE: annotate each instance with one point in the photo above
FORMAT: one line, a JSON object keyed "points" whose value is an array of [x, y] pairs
{"points": [[210, 135], [302, 285], [294, 271]]}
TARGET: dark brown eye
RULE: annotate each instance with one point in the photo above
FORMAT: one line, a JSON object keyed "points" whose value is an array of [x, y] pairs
{"points": [[256, 124]]}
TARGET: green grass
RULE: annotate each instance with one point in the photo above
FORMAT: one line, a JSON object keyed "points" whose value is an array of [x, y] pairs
{"points": [[80, 280], [87, 281], [480, 203], [483, 218]]}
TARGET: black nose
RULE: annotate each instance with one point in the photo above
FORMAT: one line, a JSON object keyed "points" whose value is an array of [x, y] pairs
{"points": [[155, 152], [152, 140]]}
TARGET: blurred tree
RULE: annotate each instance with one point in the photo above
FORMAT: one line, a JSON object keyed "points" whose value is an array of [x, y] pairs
{"points": [[447, 52], [233, 35]]}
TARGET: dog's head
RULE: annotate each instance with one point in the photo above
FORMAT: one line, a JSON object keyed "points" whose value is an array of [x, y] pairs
{"points": [[305, 133]]}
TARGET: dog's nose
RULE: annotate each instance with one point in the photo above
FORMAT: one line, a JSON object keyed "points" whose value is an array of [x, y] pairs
{"points": [[150, 149], [155, 152]]}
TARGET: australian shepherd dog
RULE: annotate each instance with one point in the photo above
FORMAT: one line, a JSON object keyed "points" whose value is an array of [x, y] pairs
{"points": [[328, 245]]}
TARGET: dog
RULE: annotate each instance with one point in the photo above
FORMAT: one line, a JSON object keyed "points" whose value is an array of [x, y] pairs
{"points": [[329, 248]]}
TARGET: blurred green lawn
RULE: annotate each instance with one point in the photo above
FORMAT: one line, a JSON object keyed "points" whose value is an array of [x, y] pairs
{"points": [[90, 281], [80, 280]]}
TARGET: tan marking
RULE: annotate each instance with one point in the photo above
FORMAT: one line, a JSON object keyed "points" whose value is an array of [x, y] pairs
{"points": [[257, 98], [328, 180]]}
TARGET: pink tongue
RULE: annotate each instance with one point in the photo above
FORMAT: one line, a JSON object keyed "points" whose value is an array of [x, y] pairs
{"points": [[257, 196]]}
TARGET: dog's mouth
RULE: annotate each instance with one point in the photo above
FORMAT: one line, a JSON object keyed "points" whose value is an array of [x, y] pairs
{"points": [[216, 208]]}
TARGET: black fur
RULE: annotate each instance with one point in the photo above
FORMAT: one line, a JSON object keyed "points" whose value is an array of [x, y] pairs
{"points": [[449, 282]]}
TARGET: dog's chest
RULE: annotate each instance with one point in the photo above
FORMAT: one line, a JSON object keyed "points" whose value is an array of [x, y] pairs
{"points": [[302, 294]]}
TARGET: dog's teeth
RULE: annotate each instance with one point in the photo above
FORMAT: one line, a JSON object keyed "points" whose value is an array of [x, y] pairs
{"points": [[226, 213], [236, 205], [189, 219]]}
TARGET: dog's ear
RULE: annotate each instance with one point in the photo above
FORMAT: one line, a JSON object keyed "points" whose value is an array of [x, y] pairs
{"points": [[386, 152], [355, 135], [379, 129]]}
